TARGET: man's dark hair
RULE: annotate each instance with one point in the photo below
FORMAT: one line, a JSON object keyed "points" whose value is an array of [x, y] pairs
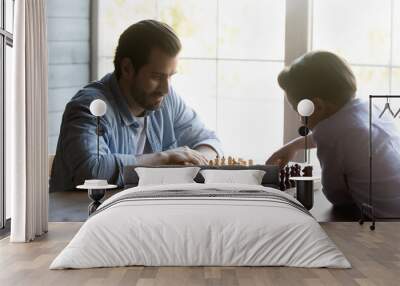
{"points": [[319, 74], [139, 39]]}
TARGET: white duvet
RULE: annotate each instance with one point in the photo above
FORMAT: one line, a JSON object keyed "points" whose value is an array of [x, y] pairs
{"points": [[200, 231]]}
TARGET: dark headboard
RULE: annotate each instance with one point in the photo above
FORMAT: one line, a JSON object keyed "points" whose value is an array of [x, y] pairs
{"points": [[270, 179]]}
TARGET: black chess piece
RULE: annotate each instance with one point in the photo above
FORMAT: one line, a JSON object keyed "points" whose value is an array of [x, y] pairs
{"points": [[298, 170], [292, 174], [282, 180], [307, 171], [287, 174]]}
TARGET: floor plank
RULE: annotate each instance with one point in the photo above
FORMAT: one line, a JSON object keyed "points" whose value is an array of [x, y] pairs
{"points": [[375, 257]]}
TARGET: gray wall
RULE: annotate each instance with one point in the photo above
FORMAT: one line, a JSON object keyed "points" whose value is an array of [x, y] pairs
{"points": [[68, 29]]}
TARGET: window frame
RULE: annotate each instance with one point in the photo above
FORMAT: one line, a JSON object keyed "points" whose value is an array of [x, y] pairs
{"points": [[298, 39], [6, 39]]}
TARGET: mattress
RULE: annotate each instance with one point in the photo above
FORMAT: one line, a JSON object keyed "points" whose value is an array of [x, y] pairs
{"points": [[201, 225]]}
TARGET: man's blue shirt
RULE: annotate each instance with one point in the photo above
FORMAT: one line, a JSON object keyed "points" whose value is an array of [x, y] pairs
{"points": [[174, 124]]}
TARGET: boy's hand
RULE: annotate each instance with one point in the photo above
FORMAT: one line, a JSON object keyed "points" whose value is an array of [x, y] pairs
{"points": [[287, 152], [282, 156]]}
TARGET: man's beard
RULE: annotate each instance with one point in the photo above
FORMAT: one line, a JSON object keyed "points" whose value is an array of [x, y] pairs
{"points": [[147, 101]]}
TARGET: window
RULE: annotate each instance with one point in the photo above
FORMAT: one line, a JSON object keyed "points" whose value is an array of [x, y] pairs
{"points": [[232, 53], [367, 34], [361, 32], [6, 43]]}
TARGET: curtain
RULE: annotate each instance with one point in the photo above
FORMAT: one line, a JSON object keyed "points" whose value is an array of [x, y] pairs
{"points": [[26, 117]]}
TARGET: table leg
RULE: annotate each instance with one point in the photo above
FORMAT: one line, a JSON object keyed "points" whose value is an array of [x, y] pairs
{"points": [[305, 193], [95, 196]]}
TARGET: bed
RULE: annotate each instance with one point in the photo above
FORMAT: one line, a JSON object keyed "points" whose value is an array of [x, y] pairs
{"points": [[201, 224]]}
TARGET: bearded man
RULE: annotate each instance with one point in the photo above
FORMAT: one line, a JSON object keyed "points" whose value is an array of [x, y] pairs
{"points": [[146, 122]]}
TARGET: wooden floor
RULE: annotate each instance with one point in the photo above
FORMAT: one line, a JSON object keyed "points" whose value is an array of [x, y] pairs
{"points": [[374, 255]]}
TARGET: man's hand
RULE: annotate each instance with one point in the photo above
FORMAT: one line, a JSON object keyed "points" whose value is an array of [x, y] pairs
{"points": [[184, 156], [207, 151], [179, 156], [282, 156]]}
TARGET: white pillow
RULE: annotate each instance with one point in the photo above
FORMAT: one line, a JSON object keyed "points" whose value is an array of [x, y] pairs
{"points": [[165, 176], [248, 177]]}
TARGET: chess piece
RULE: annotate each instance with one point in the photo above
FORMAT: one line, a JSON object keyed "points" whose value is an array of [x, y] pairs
{"points": [[292, 174], [307, 171], [250, 162], [287, 174], [216, 161], [234, 161], [229, 160], [282, 180], [223, 161], [211, 163], [297, 170]]}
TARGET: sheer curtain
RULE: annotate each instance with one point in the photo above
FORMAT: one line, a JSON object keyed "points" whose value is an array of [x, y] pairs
{"points": [[26, 117]]}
